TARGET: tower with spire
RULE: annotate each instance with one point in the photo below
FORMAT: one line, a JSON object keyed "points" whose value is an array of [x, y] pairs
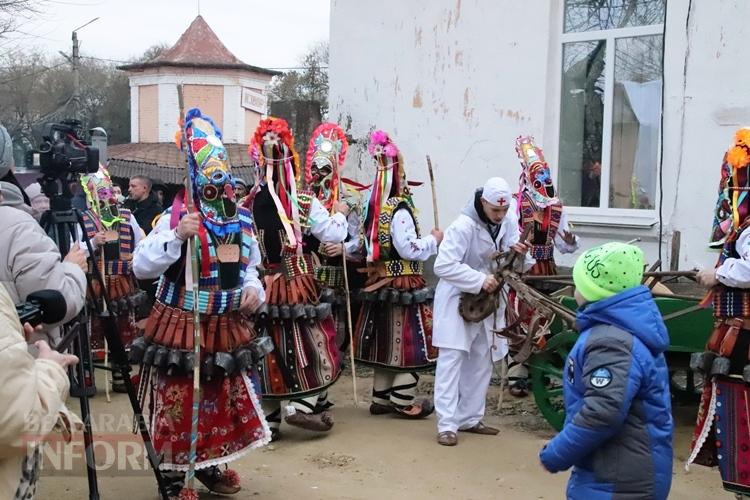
{"points": [[229, 90]]}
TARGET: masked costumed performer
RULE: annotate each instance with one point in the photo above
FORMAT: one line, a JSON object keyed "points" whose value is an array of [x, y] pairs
{"points": [[722, 436], [393, 333], [325, 160], [540, 212], [306, 361], [230, 421], [113, 233]]}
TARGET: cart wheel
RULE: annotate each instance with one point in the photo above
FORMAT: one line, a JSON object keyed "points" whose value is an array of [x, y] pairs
{"points": [[686, 385], [546, 371]]}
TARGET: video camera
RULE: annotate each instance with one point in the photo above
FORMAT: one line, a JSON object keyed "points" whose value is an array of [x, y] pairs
{"points": [[43, 306], [63, 151]]}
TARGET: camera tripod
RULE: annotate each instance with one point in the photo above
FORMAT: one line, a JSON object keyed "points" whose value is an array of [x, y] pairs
{"points": [[62, 223]]}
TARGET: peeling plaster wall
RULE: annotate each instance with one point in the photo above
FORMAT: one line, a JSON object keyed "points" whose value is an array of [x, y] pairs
{"points": [[456, 79], [708, 102], [461, 79]]}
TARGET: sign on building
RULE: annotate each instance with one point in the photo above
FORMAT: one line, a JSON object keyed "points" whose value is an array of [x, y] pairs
{"points": [[254, 101]]}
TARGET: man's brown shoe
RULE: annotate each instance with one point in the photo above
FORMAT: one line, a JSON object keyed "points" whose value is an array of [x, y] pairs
{"points": [[321, 422], [447, 438], [480, 428]]}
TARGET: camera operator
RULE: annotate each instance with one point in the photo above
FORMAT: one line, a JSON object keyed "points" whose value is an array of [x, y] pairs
{"points": [[33, 394]]}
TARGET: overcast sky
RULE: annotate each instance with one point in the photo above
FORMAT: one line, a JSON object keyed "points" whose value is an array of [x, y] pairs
{"points": [[271, 34]]}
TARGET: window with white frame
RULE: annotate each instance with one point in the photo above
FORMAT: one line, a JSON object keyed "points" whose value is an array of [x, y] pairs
{"points": [[611, 103]]}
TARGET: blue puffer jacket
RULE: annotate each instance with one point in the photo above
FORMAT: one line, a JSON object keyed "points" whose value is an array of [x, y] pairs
{"points": [[618, 426]]}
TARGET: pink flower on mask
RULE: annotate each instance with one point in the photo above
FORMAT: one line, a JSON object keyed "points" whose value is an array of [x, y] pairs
{"points": [[379, 137], [391, 150], [380, 143]]}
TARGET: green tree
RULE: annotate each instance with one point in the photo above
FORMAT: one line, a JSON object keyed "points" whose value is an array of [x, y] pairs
{"points": [[308, 83]]}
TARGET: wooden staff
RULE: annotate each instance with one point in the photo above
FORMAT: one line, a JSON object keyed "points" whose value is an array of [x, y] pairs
{"points": [[106, 345], [348, 309], [95, 207], [434, 193], [656, 274], [349, 324], [192, 245]]}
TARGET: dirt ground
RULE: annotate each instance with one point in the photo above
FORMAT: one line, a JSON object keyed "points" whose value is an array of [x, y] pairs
{"points": [[366, 457]]}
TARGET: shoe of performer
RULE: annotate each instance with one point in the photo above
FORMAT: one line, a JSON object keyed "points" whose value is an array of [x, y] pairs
{"points": [[118, 383], [174, 485], [420, 408], [119, 387], [321, 422], [320, 408], [519, 388], [378, 409], [447, 438], [482, 429], [275, 435], [226, 482]]}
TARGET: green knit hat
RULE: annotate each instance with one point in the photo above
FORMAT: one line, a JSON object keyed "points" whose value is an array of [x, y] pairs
{"points": [[604, 271]]}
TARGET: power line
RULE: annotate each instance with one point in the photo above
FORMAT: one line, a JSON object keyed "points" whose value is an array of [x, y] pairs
{"points": [[106, 60]]}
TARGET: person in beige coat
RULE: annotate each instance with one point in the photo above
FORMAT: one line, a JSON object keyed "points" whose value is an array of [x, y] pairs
{"points": [[32, 393], [30, 261]]}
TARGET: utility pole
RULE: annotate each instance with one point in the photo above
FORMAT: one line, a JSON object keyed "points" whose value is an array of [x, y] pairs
{"points": [[75, 62]]}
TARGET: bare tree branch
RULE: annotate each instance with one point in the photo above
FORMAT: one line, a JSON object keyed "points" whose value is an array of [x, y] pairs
{"points": [[13, 11]]}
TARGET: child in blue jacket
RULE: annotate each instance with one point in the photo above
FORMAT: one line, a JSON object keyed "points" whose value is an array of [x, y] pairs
{"points": [[618, 425]]}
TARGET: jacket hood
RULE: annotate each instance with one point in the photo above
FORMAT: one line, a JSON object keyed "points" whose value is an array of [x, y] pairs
{"points": [[150, 200], [473, 209], [634, 311]]}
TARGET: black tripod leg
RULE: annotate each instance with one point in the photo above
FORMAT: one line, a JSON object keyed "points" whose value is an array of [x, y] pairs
{"points": [[153, 458], [88, 440], [122, 365]]}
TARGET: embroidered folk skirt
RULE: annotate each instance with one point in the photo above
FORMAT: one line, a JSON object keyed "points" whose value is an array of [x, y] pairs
{"points": [[305, 360], [230, 420], [391, 334], [722, 431], [722, 435]]}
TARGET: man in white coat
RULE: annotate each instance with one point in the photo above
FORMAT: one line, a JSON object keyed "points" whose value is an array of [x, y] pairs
{"points": [[467, 350]]}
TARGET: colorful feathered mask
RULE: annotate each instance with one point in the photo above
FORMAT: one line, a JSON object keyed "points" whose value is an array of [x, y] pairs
{"points": [[325, 160], [536, 177], [211, 174], [733, 204], [277, 166], [101, 197], [390, 182]]}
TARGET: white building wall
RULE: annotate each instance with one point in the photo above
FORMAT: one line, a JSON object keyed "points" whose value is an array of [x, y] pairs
{"points": [[716, 103], [134, 108], [460, 80], [234, 114], [168, 111], [456, 80]]}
